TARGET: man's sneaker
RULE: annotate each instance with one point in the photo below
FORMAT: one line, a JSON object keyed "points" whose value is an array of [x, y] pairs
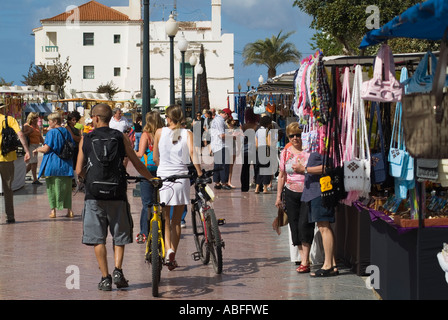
{"points": [[119, 279], [105, 284]]}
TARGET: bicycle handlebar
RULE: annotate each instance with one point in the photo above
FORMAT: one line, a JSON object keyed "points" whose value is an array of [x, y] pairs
{"points": [[156, 179], [204, 179]]}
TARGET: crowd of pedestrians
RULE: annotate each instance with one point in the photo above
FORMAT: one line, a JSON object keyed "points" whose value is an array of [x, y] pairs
{"points": [[162, 147]]}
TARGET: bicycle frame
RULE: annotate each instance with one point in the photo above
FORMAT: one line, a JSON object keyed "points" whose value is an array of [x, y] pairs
{"points": [[156, 216], [208, 237]]}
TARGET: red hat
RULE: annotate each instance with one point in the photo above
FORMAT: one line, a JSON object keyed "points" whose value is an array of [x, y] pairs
{"points": [[228, 111]]}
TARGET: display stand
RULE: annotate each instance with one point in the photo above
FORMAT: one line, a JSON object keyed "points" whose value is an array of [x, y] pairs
{"points": [[408, 265], [352, 233]]}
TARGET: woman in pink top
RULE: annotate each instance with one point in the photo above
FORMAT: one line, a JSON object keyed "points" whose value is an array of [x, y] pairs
{"points": [[302, 232]]}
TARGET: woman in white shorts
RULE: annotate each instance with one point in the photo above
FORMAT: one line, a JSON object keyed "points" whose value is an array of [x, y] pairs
{"points": [[173, 152]]}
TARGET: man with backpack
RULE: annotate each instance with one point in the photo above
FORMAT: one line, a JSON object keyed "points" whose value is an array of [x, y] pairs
{"points": [[100, 164], [7, 165]]}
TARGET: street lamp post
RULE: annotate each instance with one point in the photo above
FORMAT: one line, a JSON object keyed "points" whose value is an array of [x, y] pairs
{"points": [[145, 85], [171, 28], [193, 61], [199, 72], [182, 44]]}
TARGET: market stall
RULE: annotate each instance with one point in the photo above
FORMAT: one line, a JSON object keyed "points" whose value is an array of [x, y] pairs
{"points": [[392, 202], [406, 242]]}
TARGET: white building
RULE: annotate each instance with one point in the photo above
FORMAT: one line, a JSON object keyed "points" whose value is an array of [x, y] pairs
{"points": [[105, 44]]}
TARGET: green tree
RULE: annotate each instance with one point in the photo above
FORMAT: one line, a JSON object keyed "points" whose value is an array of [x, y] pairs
{"points": [[343, 22], [4, 83], [47, 75], [271, 52], [202, 100], [109, 88]]}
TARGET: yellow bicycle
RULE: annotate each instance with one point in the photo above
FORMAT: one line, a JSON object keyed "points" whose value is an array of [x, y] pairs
{"points": [[155, 244]]}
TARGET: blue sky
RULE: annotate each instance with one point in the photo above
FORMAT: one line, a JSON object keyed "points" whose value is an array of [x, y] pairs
{"points": [[248, 20]]}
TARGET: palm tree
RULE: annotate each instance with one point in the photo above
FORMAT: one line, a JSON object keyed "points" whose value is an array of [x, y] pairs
{"points": [[271, 52]]}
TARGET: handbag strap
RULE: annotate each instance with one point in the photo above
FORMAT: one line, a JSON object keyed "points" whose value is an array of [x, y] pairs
{"points": [[440, 78], [389, 64], [375, 107], [364, 150], [347, 130], [63, 137], [378, 68]]}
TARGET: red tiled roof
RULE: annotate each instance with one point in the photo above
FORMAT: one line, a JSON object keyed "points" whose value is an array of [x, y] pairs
{"points": [[92, 11]]}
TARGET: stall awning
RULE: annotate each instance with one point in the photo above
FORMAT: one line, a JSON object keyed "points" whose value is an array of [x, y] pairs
{"points": [[45, 108], [427, 20]]}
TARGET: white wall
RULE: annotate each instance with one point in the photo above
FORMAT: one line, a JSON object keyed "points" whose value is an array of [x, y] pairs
{"points": [[104, 55]]}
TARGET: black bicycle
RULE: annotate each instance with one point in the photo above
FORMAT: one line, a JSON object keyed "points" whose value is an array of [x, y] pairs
{"points": [[207, 237]]}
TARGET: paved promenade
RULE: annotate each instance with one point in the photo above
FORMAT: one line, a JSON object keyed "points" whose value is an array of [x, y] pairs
{"points": [[44, 259]]}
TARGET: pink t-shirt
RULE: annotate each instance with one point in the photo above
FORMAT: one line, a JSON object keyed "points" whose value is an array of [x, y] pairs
{"points": [[294, 181]]}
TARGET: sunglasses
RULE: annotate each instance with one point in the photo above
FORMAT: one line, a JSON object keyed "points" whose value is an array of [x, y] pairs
{"points": [[295, 135]]}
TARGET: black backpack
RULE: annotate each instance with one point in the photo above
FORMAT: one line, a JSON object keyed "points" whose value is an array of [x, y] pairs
{"points": [[68, 148], [10, 140], [106, 174]]}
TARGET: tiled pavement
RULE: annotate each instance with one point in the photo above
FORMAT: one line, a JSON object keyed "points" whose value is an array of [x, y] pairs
{"points": [[39, 257]]}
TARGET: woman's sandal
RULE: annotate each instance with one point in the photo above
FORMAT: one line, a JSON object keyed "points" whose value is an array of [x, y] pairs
{"points": [[303, 269], [322, 273], [335, 270]]}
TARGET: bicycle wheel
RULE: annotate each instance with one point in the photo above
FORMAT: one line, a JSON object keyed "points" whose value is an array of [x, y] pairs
{"points": [[199, 235], [215, 243], [156, 260]]}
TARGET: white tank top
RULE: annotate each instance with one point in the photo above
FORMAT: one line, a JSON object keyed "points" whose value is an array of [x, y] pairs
{"points": [[173, 157]]}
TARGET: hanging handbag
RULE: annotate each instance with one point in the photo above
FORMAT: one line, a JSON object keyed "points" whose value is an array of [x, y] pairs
{"points": [[357, 168], [378, 159], [270, 107], [332, 180], [427, 169], [401, 164], [377, 89], [421, 80], [260, 105], [443, 172], [424, 123]]}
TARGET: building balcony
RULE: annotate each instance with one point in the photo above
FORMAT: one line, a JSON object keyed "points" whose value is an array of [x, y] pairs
{"points": [[50, 52]]}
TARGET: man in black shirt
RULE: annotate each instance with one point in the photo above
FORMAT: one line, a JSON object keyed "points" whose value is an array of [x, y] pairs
{"points": [[99, 214]]}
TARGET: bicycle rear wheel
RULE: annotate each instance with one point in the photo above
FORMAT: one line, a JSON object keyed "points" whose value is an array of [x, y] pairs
{"points": [[156, 260], [199, 235], [215, 243]]}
